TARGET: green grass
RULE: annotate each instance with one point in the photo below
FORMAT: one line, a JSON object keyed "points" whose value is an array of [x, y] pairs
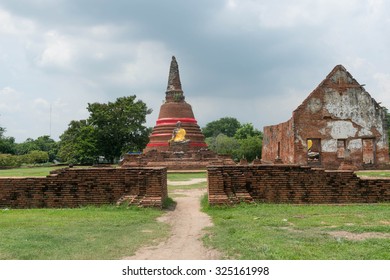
{"points": [[280, 231], [201, 185], [374, 173], [186, 176], [27, 171], [91, 233]]}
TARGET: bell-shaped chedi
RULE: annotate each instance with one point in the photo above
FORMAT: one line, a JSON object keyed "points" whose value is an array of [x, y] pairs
{"points": [[176, 141], [175, 115]]}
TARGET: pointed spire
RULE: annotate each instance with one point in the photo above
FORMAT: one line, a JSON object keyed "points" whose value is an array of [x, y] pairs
{"points": [[174, 77]]}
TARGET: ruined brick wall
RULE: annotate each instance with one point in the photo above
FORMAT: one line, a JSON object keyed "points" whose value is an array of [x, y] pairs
{"points": [[92, 186], [292, 184], [348, 121], [343, 121], [278, 143], [189, 160]]}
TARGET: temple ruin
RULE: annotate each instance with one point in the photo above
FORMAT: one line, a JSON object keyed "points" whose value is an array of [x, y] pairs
{"points": [[338, 126], [176, 141]]}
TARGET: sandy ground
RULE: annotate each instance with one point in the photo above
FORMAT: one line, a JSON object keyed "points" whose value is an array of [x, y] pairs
{"points": [[187, 223]]}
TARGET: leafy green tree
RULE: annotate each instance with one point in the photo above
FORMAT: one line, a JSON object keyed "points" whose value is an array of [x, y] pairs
{"points": [[7, 144], [119, 126], [227, 126], [247, 130], [245, 142], [250, 140], [223, 144], [26, 147], [78, 143], [46, 144], [250, 148], [42, 143]]}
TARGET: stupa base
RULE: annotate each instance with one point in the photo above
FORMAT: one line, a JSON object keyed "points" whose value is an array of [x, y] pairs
{"points": [[177, 160]]}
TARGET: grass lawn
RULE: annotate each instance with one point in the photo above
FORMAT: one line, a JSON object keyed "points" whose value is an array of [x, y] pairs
{"points": [[27, 171], [186, 176], [281, 231], [91, 233], [202, 185], [376, 173]]}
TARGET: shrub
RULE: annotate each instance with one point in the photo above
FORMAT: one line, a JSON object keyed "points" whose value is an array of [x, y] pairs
{"points": [[7, 160]]}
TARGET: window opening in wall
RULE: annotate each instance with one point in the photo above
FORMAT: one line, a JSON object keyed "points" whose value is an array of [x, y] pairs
{"points": [[278, 150], [368, 151], [313, 151], [341, 148]]}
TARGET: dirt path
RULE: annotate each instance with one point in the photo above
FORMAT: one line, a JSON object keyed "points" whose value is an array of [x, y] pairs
{"points": [[187, 222]]}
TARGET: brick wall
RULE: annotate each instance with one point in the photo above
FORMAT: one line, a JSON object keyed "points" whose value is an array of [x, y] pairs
{"points": [[92, 186], [278, 143], [292, 184], [349, 125]]}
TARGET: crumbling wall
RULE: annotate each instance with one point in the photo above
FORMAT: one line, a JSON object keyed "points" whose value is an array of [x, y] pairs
{"points": [[346, 124], [278, 143], [348, 121], [291, 184], [76, 187], [179, 160]]}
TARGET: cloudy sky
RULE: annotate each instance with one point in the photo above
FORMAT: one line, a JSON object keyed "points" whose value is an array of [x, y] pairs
{"points": [[252, 60]]}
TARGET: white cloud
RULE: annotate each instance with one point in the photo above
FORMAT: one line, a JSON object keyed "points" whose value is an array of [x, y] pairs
{"points": [[149, 64], [383, 86], [13, 25], [10, 100], [252, 15], [58, 51]]}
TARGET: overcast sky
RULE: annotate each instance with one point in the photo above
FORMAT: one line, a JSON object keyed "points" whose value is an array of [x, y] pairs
{"points": [[252, 60]]}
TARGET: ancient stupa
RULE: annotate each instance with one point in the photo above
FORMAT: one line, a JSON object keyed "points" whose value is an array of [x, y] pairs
{"points": [[176, 141], [175, 111]]}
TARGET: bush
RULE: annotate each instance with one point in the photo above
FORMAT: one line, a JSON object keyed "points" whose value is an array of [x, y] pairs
{"points": [[7, 160], [36, 157]]}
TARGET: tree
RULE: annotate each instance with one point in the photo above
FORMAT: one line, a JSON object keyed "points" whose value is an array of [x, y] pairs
{"points": [[35, 157], [78, 143], [223, 144], [247, 130], [250, 141], [26, 147], [7, 144], [245, 142], [227, 126], [119, 126], [42, 143], [250, 148], [46, 144]]}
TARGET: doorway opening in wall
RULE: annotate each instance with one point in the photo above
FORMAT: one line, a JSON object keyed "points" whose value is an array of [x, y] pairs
{"points": [[368, 150], [313, 151], [341, 148]]}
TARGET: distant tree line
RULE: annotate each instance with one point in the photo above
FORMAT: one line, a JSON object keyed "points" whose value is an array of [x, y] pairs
{"points": [[228, 136], [112, 129], [32, 151]]}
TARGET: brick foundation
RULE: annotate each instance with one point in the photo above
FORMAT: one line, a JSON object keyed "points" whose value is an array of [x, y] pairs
{"points": [[79, 187], [292, 184]]}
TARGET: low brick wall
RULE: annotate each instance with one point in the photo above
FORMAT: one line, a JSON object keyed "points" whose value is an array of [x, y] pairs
{"points": [[74, 187], [292, 184]]}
